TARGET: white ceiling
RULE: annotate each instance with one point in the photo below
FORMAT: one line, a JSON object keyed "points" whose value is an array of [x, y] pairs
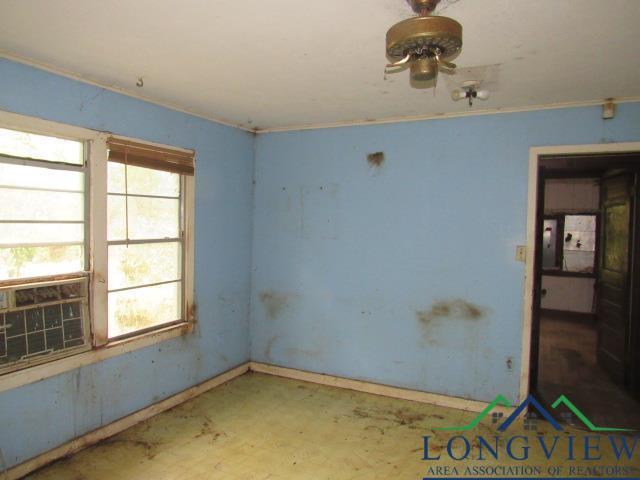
{"points": [[283, 63]]}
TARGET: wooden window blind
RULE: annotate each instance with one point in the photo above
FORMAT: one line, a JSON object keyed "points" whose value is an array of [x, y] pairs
{"points": [[149, 156]]}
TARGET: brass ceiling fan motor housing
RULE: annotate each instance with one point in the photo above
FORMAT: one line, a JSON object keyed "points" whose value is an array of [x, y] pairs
{"points": [[427, 39]]}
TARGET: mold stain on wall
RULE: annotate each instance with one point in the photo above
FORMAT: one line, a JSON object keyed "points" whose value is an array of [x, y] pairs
{"points": [[269, 347], [375, 159], [274, 303], [376, 163], [453, 309], [306, 352]]}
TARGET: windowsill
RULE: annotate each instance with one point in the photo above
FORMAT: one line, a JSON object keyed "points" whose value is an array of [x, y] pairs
{"points": [[43, 371]]}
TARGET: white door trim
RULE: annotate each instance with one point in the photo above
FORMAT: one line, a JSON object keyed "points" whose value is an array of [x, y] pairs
{"points": [[534, 161]]}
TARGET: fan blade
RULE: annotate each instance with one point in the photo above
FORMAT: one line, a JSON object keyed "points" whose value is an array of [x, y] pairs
{"points": [[399, 63], [445, 64]]}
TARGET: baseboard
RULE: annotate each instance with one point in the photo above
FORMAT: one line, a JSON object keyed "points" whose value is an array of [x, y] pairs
{"points": [[375, 388], [118, 426]]}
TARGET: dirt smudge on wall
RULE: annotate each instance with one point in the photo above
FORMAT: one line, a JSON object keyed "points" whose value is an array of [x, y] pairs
{"points": [[315, 352], [454, 309], [274, 303], [375, 159], [269, 347]]}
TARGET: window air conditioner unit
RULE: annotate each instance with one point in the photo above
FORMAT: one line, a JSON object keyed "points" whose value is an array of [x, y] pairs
{"points": [[43, 321]]}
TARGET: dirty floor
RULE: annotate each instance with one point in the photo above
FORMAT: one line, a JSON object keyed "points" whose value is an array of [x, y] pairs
{"points": [[264, 427], [568, 366]]}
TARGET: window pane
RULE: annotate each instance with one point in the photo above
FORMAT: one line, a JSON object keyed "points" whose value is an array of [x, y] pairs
{"points": [[30, 145], [143, 264], [579, 243], [143, 181], [18, 204], [23, 262], [41, 233], [148, 218], [145, 307], [38, 177], [549, 243]]}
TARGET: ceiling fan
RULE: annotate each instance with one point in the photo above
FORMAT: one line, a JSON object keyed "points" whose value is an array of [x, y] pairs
{"points": [[424, 43]]}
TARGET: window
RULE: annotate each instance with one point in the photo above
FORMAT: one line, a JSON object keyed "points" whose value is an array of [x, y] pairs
{"points": [[96, 242], [146, 239], [42, 236], [550, 258], [579, 249], [42, 205], [569, 244]]}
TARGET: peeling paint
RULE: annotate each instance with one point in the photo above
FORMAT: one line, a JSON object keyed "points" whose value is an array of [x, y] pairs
{"points": [[192, 312]]}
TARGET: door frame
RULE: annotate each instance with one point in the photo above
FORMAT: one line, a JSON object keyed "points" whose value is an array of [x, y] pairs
{"points": [[531, 253]]}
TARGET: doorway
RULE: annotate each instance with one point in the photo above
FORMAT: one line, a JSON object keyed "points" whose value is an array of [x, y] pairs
{"points": [[585, 332]]}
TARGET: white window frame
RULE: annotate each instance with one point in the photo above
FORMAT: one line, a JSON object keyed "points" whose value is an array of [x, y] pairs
{"points": [[96, 217]]}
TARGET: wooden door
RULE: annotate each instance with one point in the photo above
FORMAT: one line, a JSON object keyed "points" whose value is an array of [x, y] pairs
{"points": [[614, 275], [537, 290]]}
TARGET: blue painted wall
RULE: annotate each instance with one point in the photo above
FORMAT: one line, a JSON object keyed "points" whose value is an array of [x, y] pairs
{"points": [[347, 260], [43, 415], [404, 274]]}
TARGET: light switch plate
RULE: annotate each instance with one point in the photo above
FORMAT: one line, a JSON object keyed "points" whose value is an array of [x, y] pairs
{"points": [[521, 253], [609, 110]]}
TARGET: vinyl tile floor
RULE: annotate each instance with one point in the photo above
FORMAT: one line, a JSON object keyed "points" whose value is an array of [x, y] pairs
{"points": [[259, 427]]}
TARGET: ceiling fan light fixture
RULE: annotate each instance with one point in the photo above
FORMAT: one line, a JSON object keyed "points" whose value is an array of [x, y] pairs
{"points": [[424, 70], [458, 94], [482, 95], [471, 91], [425, 43]]}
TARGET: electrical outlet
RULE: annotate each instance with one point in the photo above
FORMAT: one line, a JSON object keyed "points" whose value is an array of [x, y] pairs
{"points": [[521, 253]]}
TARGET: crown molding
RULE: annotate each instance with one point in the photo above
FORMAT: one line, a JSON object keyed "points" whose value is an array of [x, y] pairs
{"points": [[113, 88], [441, 116], [314, 126]]}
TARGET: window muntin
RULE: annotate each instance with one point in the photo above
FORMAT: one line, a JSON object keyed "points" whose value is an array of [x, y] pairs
{"points": [[42, 212], [145, 248]]}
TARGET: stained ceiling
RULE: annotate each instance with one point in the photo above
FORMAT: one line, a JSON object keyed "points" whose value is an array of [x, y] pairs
{"points": [[292, 63]]}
